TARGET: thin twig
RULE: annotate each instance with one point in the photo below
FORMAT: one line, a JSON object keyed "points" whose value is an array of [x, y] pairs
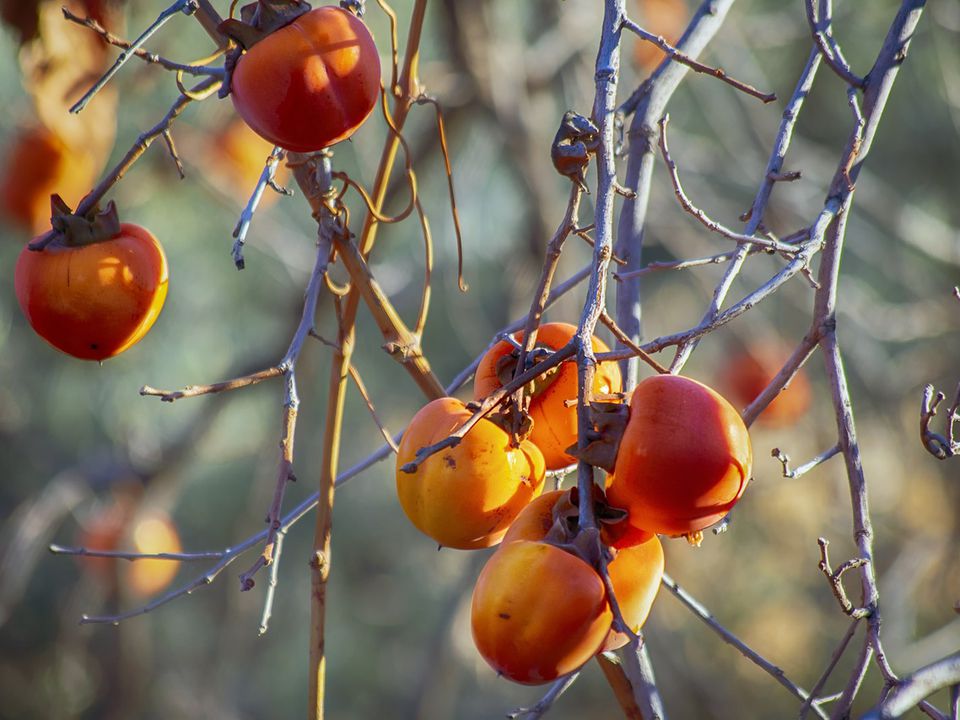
{"points": [[827, 45], [267, 179], [696, 212], [271, 585], [940, 446], [911, 690], [188, 7], [625, 339], [546, 702], [111, 39], [805, 468], [828, 671], [197, 390], [694, 65], [835, 578], [701, 612]]}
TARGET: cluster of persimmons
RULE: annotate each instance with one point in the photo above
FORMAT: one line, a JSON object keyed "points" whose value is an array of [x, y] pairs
{"points": [[540, 606]]}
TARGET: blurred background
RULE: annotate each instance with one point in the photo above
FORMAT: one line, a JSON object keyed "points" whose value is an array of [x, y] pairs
{"points": [[84, 458]]}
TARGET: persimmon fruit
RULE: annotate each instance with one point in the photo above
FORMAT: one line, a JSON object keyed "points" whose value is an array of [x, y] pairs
{"points": [[538, 612], [554, 422], [311, 83], [635, 570], [465, 496], [684, 460], [94, 301]]}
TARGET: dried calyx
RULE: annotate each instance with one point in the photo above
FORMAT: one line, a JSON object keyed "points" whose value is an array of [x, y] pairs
{"points": [[607, 423], [565, 532], [259, 19], [76, 230]]}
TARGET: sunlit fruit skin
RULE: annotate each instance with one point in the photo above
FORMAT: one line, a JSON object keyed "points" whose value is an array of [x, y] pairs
{"points": [[635, 571], [554, 424], [538, 612], [311, 83], [747, 374], [685, 457], [466, 496], [635, 574], [94, 301]]}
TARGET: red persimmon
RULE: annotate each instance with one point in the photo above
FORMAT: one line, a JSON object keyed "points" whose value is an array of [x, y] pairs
{"points": [[94, 301], [311, 83], [684, 460]]}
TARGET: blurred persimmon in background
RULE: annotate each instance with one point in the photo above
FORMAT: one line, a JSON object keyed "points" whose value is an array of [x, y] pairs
{"points": [[119, 526], [747, 373], [667, 18], [235, 159]]}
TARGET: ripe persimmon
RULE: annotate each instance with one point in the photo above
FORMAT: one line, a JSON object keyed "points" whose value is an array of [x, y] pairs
{"points": [[538, 612], [93, 301], [684, 460], [635, 570], [465, 496], [311, 83], [554, 421]]}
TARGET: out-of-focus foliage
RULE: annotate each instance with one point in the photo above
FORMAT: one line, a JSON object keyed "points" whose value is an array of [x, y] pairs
{"points": [[72, 433]]}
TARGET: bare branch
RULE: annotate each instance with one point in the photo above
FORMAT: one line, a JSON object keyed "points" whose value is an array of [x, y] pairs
{"points": [[188, 7], [702, 216], [694, 65], [197, 390], [835, 578], [728, 637], [911, 690], [546, 702], [139, 52], [807, 467], [940, 446], [827, 45]]}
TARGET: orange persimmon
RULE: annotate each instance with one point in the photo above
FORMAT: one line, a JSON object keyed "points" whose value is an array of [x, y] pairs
{"points": [[554, 422], [635, 570], [538, 612], [465, 496]]}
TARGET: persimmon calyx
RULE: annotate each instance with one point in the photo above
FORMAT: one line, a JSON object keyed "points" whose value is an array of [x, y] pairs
{"points": [[575, 140], [259, 19], [77, 230], [565, 532], [506, 369], [514, 421], [608, 422]]}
